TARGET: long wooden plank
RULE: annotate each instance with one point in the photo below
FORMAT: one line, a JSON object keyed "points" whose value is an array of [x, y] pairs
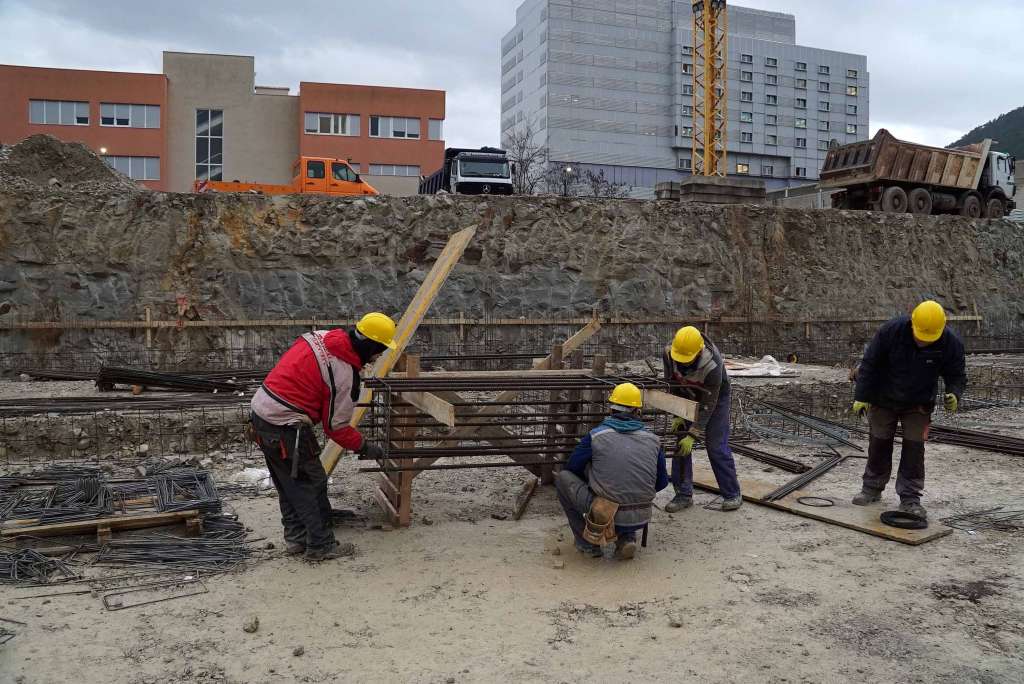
{"points": [[118, 522], [407, 326], [570, 345], [474, 375], [859, 518], [677, 406], [432, 405]]}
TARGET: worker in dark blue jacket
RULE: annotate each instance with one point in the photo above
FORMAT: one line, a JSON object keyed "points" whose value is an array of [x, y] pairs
{"points": [[897, 382], [618, 461]]}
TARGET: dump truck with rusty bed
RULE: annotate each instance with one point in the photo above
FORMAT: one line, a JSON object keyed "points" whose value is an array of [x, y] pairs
{"points": [[895, 176]]}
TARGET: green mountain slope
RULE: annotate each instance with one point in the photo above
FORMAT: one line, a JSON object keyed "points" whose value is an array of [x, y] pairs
{"points": [[1008, 129]]}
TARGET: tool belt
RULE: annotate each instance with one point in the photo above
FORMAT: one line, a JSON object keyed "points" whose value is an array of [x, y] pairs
{"points": [[256, 424], [599, 528]]}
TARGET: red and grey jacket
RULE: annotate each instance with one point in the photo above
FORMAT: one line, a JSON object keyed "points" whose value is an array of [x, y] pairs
{"points": [[312, 383]]}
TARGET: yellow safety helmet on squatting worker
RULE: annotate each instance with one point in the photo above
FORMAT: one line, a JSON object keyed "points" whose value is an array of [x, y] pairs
{"points": [[379, 328], [686, 345], [627, 395], [928, 321]]}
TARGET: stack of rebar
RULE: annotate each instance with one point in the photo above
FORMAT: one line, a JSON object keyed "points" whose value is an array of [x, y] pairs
{"points": [[109, 376], [221, 548], [32, 567], [186, 490], [976, 439], [805, 479], [990, 519]]}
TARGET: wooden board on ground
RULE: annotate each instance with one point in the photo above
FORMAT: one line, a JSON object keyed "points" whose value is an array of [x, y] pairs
{"points": [[102, 526], [843, 513]]}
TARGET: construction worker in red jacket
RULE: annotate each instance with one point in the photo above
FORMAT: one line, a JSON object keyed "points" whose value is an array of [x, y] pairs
{"points": [[315, 381]]}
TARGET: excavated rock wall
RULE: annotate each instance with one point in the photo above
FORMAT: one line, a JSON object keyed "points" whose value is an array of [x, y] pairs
{"points": [[109, 254]]}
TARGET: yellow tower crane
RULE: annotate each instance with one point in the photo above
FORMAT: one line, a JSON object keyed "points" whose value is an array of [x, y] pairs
{"points": [[710, 87]]}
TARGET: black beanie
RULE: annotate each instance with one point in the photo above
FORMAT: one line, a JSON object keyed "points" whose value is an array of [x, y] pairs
{"points": [[364, 346]]}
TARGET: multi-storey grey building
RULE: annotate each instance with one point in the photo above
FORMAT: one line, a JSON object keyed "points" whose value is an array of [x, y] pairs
{"points": [[608, 84]]}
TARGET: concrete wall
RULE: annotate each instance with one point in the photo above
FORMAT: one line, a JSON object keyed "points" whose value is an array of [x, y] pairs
{"points": [[20, 84], [260, 131]]}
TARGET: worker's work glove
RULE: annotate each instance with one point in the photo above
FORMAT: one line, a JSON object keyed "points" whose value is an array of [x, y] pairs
{"points": [[371, 451], [860, 408], [950, 402], [686, 445], [678, 424]]}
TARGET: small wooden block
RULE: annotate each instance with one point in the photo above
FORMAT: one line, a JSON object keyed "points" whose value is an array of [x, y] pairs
{"points": [[194, 526], [103, 535]]}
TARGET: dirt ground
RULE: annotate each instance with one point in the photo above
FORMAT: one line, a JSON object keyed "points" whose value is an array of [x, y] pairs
{"points": [[469, 595]]}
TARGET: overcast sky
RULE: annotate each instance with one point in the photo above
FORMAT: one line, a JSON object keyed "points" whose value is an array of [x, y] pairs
{"points": [[938, 67]]}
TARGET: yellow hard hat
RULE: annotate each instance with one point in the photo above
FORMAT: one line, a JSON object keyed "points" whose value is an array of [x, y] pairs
{"points": [[687, 343], [928, 321], [379, 328], [626, 394]]}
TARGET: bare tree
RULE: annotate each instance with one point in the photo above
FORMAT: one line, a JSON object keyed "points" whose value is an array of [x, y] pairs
{"points": [[597, 185], [563, 179], [529, 159]]}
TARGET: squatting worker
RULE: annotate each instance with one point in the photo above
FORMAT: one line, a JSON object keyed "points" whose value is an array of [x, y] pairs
{"points": [[695, 369], [897, 382], [619, 461], [316, 380]]}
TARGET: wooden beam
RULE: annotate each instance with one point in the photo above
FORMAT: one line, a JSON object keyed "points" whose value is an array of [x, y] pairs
{"points": [[570, 345], [407, 326], [677, 406], [117, 522], [470, 375], [432, 405]]}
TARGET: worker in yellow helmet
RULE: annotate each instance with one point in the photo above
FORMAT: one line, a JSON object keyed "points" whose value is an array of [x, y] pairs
{"points": [[897, 382], [694, 368], [616, 468], [315, 381]]}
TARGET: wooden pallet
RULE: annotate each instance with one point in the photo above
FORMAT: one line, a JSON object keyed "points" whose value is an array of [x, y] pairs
{"points": [[104, 527]]}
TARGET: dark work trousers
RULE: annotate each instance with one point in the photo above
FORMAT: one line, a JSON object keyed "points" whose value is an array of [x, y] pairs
{"points": [[716, 441], [910, 477], [305, 510], [576, 498]]}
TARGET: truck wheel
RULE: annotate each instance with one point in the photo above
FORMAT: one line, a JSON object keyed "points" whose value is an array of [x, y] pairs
{"points": [[894, 200], [971, 207], [920, 201], [995, 208]]}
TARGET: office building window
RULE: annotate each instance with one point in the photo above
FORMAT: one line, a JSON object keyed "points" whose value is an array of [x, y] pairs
{"points": [[823, 145], [801, 103], [852, 90], [801, 123], [746, 117], [687, 110], [801, 142], [435, 127], [394, 127], [686, 164], [771, 140], [746, 96], [746, 75], [771, 119], [771, 61], [58, 112], [801, 66], [129, 115], [688, 51], [801, 172], [851, 129], [687, 131], [851, 109], [687, 68], [209, 144], [824, 86], [851, 73], [743, 168], [771, 99], [824, 106], [801, 83], [747, 59], [824, 70], [771, 79], [823, 126], [767, 170], [394, 170], [136, 168], [687, 89], [322, 123], [746, 136]]}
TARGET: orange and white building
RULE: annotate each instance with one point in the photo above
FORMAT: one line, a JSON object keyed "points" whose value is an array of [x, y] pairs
{"points": [[204, 118]]}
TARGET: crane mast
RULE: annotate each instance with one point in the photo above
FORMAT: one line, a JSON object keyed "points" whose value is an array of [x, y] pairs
{"points": [[710, 87]]}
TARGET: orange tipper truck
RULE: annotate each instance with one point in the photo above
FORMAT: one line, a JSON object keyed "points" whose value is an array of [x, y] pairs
{"points": [[309, 174]]}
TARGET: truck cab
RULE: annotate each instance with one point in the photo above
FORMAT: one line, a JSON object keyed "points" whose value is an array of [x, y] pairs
{"points": [[999, 173], [480, 173], [329, 177]]}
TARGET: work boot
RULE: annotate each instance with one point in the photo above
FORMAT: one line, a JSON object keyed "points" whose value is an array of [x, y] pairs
{"points": [[866, 497], [625, 550], [732, 503], [331, 552], [678, 503], [588, 549], [294, 548], [914, 508]]}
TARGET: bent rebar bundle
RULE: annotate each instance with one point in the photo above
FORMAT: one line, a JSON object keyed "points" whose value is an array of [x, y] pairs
{"points": [[29, 566], [109, 376]]}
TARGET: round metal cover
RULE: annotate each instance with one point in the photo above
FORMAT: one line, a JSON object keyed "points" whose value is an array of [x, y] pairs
{"points": [[487, 189]]}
